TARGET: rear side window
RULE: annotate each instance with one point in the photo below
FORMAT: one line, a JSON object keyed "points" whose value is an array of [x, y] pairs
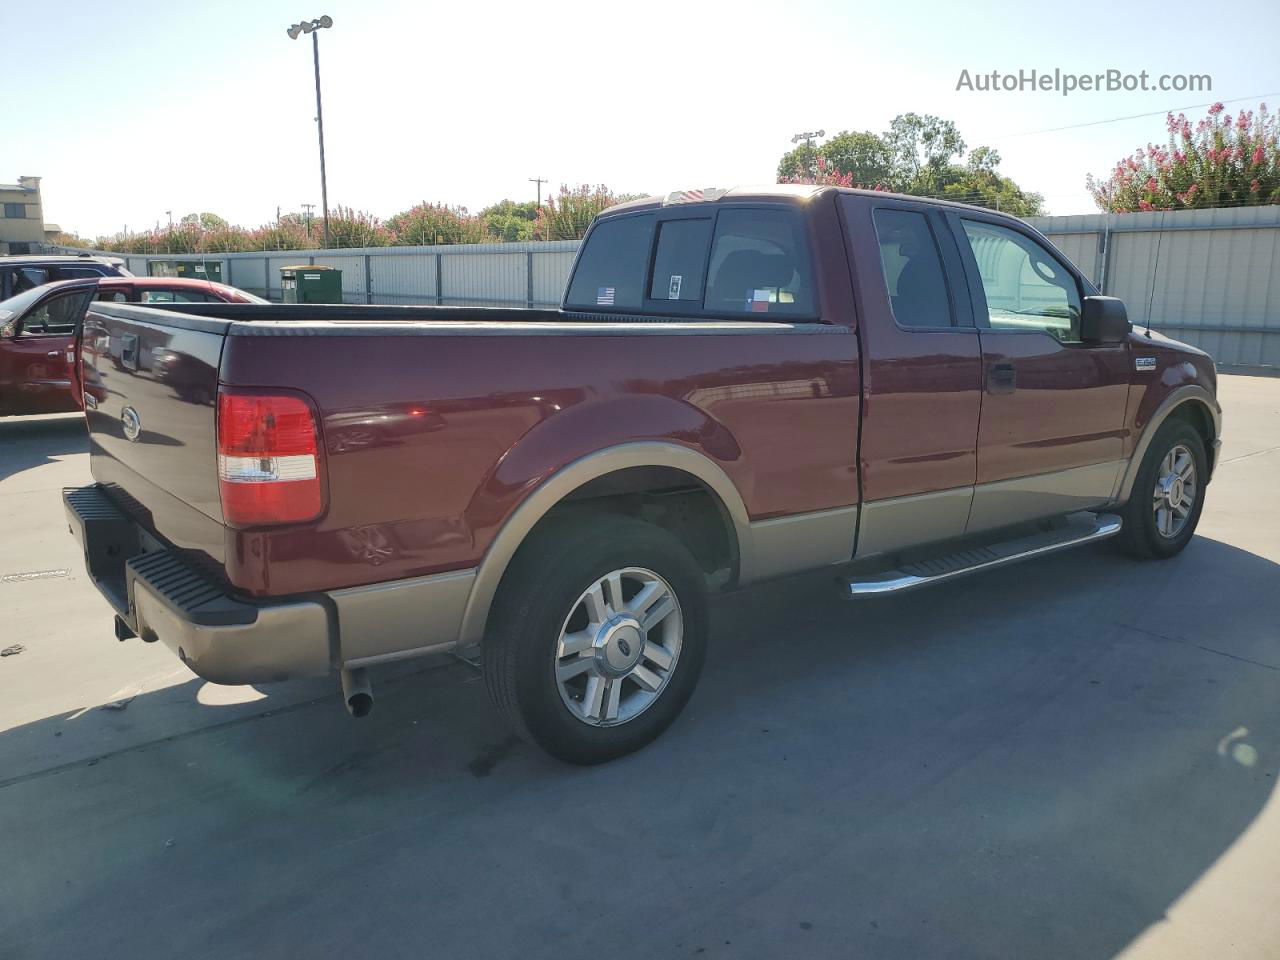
{"points": [[611, 269], [680, 259], [912, 269], [176, 296], [25, 278], [759, 264]]}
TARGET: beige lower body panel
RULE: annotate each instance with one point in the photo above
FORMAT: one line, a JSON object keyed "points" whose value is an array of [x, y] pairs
{"points": [[904, 522], [402, 618], [805, 541], [1005, 502], [889, 525]]}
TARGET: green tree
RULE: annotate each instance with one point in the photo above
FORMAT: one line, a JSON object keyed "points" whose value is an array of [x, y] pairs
{"points": [[864, 156], [509, 221], [979, 183], [918, 154], [922, 147]]}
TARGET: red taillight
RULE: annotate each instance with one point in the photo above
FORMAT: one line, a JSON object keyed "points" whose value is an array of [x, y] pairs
{"points": [[268, 460]]}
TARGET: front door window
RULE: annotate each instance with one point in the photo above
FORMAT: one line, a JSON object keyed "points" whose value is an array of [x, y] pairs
{"points": [[1026, 287]]}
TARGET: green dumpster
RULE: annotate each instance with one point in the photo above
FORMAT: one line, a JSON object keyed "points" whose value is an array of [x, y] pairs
{"points": [[192, 269], [311, 284]]}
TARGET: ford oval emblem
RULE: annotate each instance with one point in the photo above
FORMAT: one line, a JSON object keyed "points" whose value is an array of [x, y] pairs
{"points": [[131, 422]]}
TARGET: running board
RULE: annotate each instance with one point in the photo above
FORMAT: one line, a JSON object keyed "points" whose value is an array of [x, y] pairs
{"points": [[1080, 528]]}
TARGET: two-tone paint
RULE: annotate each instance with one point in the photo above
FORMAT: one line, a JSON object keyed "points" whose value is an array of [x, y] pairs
{"points": [[448, 434]]}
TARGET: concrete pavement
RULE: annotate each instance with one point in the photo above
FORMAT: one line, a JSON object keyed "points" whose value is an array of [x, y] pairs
{"points": [[1071, 758]]}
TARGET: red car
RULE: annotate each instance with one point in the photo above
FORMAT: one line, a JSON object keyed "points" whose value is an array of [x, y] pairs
{"points": [[38, 331], [739, 385]]}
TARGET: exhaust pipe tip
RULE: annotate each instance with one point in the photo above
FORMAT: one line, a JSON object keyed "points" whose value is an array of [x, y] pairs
{"points": [[357, 693]]}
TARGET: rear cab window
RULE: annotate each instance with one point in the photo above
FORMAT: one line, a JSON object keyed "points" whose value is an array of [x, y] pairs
{"points": [[718, 262], [611, 269]]}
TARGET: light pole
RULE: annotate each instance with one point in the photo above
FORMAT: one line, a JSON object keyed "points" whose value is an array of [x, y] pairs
{"points": [[808, 142], [313, 27]]}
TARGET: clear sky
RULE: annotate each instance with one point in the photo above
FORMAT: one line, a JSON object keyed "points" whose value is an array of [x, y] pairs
{"points": [[129, 110]]}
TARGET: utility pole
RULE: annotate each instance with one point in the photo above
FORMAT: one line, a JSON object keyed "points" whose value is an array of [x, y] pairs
{"points": [[539, 181], [313, 27], [306, 216], [169, 214]]}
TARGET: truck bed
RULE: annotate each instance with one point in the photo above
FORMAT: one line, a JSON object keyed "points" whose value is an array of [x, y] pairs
{"points": [[435, 422]]}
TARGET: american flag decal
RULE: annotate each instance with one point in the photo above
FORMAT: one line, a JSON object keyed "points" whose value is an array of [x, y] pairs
{"points": [[604, 296]]}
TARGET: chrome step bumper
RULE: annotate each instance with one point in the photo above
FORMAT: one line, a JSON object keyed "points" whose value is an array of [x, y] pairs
{"points": [[1080, 528]]}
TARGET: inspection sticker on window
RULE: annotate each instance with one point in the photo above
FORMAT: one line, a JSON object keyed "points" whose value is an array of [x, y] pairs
{"points": [[758, 301], [604, 296], [673, 288]]}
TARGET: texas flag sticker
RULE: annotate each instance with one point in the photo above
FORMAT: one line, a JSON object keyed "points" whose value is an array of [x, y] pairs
{"points": [[758, 301]]}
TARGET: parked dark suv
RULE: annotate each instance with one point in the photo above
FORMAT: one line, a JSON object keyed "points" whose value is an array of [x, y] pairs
{"points": [[22, 273]]}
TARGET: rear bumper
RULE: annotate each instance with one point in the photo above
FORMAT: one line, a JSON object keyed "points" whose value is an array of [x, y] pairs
{"points": [[160, 597]]}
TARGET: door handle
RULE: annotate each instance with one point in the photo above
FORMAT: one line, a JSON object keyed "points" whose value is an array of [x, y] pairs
{"points": [[1002, 378], [54, 353]]}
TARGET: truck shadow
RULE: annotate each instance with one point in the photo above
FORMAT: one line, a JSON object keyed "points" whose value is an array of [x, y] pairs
{"points": [[1036, 762], [27, 442]]}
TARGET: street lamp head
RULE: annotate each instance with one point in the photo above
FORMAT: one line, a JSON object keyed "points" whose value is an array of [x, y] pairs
{"points": [[307, 26]]}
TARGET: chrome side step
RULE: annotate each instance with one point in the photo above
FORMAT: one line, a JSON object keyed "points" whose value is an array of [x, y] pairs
{"points": [[1080, 528]]}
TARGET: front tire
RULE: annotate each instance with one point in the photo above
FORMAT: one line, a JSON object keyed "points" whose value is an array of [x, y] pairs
{"points": [[1168, 494], [597, 637]]}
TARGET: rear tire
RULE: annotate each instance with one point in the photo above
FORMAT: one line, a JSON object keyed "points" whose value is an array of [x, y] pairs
{"points": [[1168, 494], [597, 637]]}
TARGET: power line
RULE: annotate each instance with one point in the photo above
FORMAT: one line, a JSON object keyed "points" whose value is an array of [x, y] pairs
{"points": [[1139, 116]]}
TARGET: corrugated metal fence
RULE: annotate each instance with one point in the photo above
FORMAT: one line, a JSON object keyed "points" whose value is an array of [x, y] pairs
{"points": [[483, 274], [1209, 277]]}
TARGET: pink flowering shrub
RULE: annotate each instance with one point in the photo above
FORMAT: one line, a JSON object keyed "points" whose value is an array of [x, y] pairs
{"points": [[827, 175], [567, 215], [432, 223], [1223, 161]]}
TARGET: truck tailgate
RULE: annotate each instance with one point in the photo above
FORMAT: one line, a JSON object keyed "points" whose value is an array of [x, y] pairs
{"points": [[151, 384]]}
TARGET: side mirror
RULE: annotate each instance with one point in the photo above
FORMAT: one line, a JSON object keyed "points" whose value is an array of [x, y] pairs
{"points": [[1104, 320]]}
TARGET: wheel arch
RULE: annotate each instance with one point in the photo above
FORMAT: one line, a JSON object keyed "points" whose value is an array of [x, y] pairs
{"points": [[1190, 402], [628, 468]]}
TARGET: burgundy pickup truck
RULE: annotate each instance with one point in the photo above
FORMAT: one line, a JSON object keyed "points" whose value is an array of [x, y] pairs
{"points": [[739, 385]]}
